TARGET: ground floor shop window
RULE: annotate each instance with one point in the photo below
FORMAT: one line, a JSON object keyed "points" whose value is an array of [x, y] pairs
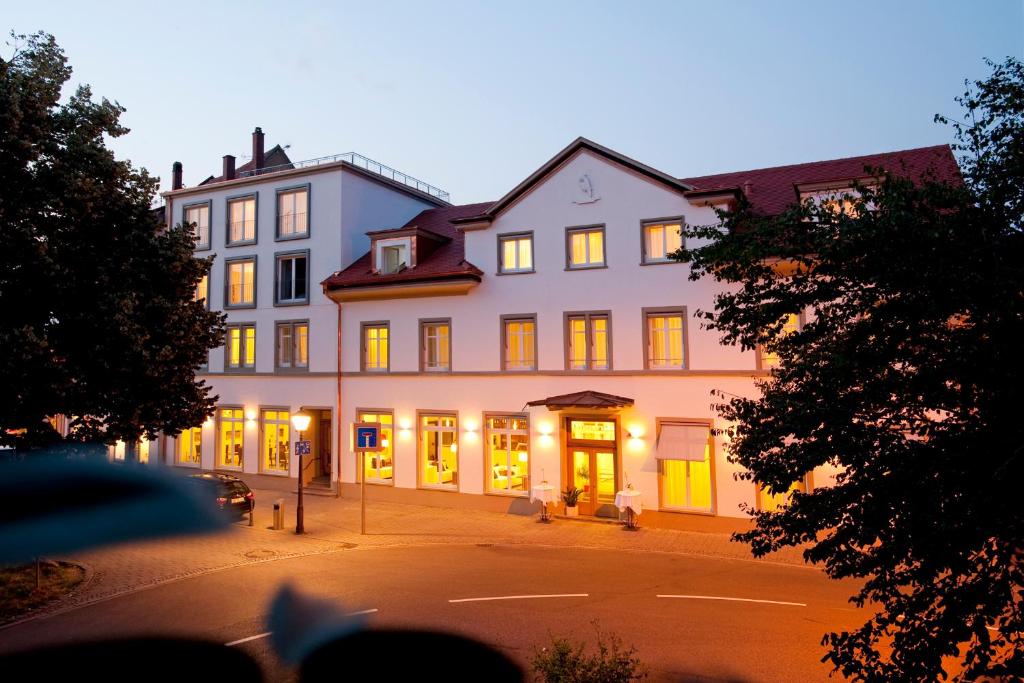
{"points": [[684, 466], [231, 446], [380, 466], [439, 461], [189, 447], [508, 454], [275, 449]]}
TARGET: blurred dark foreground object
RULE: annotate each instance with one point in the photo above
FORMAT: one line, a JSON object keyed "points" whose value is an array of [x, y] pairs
{"points": [[53, 506], [129, 660], [406, 655]]}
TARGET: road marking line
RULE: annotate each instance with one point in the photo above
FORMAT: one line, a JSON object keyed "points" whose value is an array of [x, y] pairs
{"points": [[246, 640], [523, 597], [717, 597], [264, 635]]}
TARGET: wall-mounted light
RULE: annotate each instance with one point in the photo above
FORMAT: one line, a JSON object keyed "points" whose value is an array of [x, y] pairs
{"points": [[250, 416], [636, 431], [545, 428]]}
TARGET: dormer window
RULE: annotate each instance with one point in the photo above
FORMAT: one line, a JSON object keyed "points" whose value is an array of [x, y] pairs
{"points": [[393, 255]]}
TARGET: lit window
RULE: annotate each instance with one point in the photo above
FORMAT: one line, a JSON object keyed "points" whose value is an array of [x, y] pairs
{"points": [[684, 466], [515, 253], [203, 290], [519, 343], [770, 502], [276, 449], [586, 247], [588, 341], [292, 213], [375, 347], [439, 462], [293, 345], [231, 446], [508, 454], [660, 240], [769, 359], [241, 220], [665, 344], [292, 278], [241, 347], [591, 430], [189, 448], [241, 290], [436, 345], [380, 465], [198, 215]]}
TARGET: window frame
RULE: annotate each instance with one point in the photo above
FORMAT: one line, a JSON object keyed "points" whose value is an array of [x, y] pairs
{"points": [[292, 189], [380, 244], [293, 368], [759, 349], [645, 259], [646, 314], [516, 236], [218, 440], [227, 281], [263, 410], [255, 196], [574, 229], [659, 422], [423, 324], [420, 465], [177, 446], [360, 474], [363, 327], [208, 203], [587, 316], [518, 317], [290, 255], [242, 368], [488, 463]]}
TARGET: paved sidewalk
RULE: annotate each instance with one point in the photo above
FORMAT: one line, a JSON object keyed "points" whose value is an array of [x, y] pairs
{"points": [[332, 525]]}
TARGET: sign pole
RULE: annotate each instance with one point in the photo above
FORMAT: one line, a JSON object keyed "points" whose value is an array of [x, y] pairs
{"points": [[362, 493]]}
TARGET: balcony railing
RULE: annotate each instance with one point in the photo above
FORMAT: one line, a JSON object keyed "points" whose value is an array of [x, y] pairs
{"points": [[359, 161]]}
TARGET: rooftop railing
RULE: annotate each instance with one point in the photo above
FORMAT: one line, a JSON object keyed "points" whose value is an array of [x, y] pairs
{"points": [[359, 161]]}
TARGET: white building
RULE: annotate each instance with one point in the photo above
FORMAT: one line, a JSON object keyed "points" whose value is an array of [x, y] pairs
{"points": [[544, 336]]}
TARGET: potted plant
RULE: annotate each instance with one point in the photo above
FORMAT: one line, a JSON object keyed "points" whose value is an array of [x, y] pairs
{"points": [[571, 496]]}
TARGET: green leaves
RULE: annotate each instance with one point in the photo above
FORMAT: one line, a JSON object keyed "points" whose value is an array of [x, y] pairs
{"points": [[907, 379], [99, 318]]}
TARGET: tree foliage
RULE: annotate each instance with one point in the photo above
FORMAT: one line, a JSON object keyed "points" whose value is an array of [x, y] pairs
{"points": [[908, 379], [99, 320]]}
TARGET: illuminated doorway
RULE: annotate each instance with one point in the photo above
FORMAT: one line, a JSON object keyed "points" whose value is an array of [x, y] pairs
{"points": [[592, 464]]}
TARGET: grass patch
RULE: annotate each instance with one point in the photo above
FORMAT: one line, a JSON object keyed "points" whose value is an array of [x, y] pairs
{"points": [[18, 593]]}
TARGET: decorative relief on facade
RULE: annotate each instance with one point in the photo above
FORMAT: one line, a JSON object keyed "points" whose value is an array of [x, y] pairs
{"points": [[585, 191]]}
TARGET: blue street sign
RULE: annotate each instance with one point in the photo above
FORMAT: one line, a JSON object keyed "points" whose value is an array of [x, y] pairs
{"points": [[302, 447], [367, 437]]}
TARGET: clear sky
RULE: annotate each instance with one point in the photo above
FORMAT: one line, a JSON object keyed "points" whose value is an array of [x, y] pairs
{"points": [[474, 96]]}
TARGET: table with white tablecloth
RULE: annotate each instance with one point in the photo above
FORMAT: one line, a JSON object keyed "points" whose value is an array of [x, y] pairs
{"points": [[544, 493], [629, 501]]}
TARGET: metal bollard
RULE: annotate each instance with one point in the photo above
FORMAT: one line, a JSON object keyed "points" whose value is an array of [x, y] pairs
{"points": [[252, 510], [279, 514]]}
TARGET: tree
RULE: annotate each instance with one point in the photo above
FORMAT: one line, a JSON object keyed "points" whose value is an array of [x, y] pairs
{"points": [[908, 377], [99, 318]]}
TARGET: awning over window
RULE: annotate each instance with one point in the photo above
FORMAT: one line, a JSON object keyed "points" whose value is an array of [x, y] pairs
{"points": [[682, 442], [584, 399]]}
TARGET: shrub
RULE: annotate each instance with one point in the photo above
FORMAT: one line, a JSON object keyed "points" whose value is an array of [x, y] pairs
{"points": [[571, 495], [566, 662]]}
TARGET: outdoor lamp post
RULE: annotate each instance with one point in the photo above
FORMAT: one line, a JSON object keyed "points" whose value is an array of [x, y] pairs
{"points": [[301, 423]]}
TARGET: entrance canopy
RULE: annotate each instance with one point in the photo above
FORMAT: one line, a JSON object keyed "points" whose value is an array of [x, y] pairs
{"points": [[584, 399]]}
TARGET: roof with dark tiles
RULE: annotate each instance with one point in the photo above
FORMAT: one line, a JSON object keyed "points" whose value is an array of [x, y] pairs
{"points": [[275, 157], [448, 261], [772, 190]]}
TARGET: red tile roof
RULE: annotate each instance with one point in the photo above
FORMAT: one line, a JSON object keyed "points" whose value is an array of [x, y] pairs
{"points": [[771, 190], [446, 262]]}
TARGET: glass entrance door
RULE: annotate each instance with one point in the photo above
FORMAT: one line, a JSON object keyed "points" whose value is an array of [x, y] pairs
{"points": [[592, 471]]}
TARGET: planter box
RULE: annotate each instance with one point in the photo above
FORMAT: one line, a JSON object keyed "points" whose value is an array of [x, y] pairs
{"points": [[573, 511]]}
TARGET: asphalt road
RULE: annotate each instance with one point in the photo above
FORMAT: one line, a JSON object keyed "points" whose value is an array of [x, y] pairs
{"points": [[693, 636]]}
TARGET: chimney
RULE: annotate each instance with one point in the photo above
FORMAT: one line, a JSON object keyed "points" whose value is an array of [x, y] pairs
{"points": [[746, 189], [176, 176], [258, 159], [229, 167]]}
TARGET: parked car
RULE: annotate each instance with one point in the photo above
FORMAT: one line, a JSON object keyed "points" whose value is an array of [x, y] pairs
{"points": [[228, 492]]}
